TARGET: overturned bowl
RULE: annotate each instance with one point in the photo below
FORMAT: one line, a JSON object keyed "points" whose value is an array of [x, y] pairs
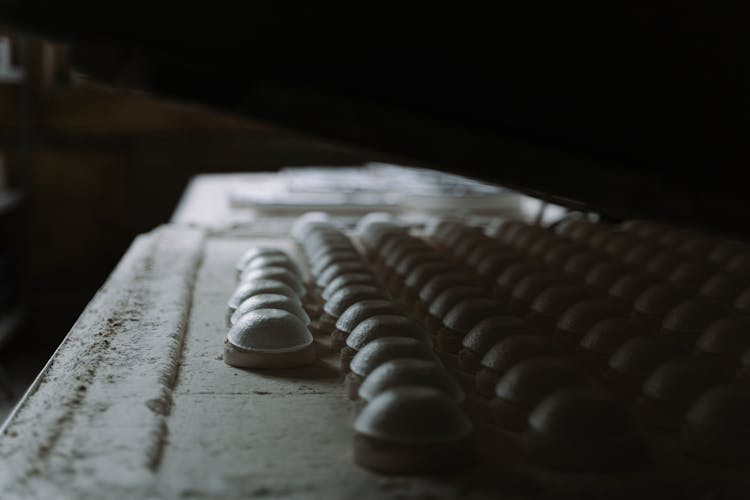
{"points": [[412, 430], [270, 301], [269, 338], [410, 372]]}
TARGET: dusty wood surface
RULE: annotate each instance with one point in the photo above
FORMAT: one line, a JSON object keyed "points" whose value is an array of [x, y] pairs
{"points": [[137, 403]]}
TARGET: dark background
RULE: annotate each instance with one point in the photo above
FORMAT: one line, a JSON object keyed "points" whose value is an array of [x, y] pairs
{"points": [[638, 110]]}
